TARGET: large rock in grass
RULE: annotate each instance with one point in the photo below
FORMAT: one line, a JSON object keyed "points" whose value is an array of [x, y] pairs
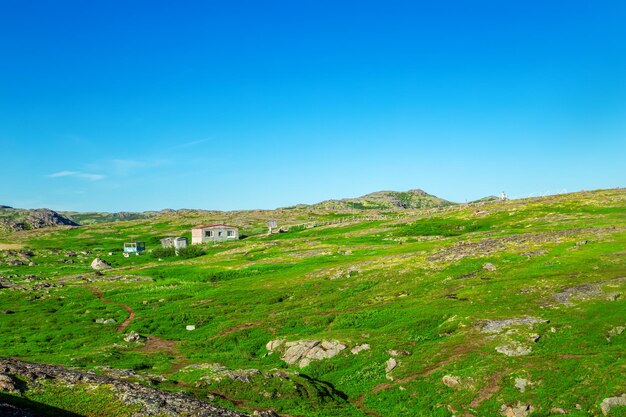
{"points": [[611, 402], [514, 349], [99, 264]]}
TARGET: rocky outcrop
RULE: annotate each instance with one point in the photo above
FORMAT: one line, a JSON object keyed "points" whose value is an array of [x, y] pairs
{"points": [[150, 401], [18, 219], [587, 291], [497, 326], [302, 352]]}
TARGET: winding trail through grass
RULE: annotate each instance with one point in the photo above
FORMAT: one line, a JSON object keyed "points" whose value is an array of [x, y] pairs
{"points": [[131, 314]]}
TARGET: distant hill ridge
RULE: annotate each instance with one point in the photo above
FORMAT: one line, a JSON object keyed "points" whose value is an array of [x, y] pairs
{"points": [[383, 200], [14, 219]]}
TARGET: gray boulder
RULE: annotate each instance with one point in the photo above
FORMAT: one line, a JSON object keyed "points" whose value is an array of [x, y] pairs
{"points": [[611, 402], [99, 264]]}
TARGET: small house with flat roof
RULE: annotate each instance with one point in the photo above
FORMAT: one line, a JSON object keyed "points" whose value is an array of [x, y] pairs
{"points": [[213, 233]]}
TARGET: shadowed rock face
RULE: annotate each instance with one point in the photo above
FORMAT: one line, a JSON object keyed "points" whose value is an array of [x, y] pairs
{"points": [[8, 410], [152, 402]]}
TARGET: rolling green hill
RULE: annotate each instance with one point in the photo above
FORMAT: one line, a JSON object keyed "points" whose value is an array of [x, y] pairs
{"points": [[509, 308]]}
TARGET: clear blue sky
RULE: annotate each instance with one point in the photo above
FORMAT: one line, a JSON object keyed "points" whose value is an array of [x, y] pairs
{"points": [[135, 105]]}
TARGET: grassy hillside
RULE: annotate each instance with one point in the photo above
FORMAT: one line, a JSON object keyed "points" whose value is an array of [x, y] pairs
{"points": [[498, 307]]}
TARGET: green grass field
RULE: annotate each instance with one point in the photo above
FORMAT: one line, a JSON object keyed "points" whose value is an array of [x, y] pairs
{"points": [[412, 281]]}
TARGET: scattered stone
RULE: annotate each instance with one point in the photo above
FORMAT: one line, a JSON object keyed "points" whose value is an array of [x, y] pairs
{"points": [[133, 336], [521, 384], [535, 337], [360, 348], [519, 410], [303, 352], [273, 344], [513, 349], [398, 352], [98, 264], [451, 381], [489, 267], [105, 321], [270, 413], [8, 312], [582, 242], [190, 327], [496, 326], [8, 384], [611, 402], [557, 410], [390, 365], [615, 331]]}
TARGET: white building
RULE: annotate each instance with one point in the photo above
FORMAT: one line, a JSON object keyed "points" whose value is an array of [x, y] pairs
{"points": [[213, 233]]}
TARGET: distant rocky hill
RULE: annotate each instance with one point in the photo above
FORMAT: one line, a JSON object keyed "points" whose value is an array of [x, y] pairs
{"points": [[411, 199], [85, 218], [12, 219]]}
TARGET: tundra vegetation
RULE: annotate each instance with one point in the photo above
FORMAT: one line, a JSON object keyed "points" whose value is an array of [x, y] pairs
{"points": [[498, 308]]}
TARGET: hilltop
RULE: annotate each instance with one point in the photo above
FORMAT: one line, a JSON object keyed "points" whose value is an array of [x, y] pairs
{"points": [[512, 308], [383, 200]]}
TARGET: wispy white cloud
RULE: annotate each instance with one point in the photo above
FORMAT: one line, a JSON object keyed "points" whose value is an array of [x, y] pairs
{"points": [[77, 174], [189, 144], [123, 167]]}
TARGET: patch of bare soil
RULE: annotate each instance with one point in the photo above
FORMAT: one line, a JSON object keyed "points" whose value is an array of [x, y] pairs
{"points": [[11, 246]]}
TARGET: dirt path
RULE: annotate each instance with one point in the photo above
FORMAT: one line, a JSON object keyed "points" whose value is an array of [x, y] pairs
{"points": [[488, 390], [359, 403], [235, 329], [131, 314]]}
